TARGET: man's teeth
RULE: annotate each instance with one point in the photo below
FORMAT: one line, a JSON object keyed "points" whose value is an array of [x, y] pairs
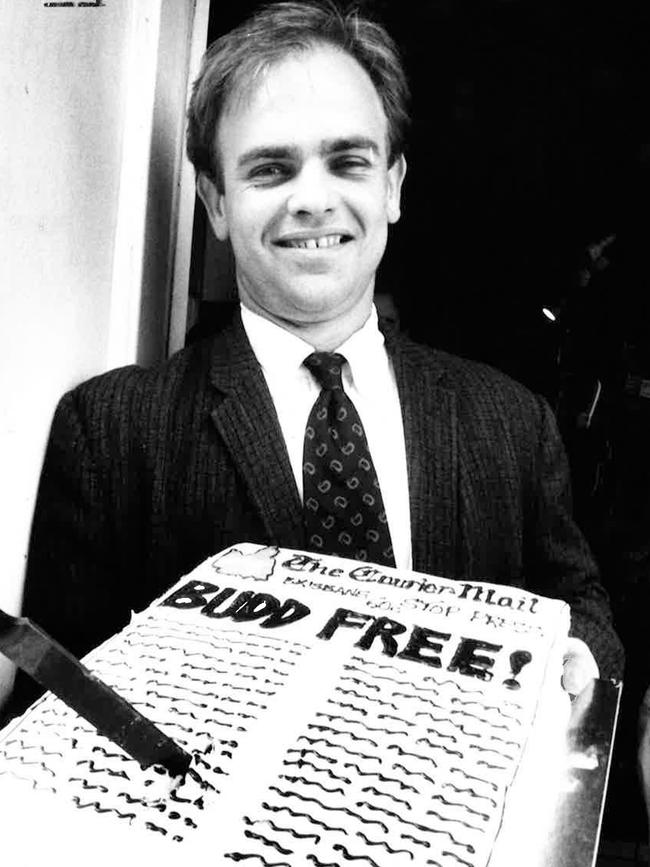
{"points": [[314, 243]]}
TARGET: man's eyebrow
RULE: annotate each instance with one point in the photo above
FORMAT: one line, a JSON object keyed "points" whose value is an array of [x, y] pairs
{"points": [[350, 143], [268, 152], [327, 148]]}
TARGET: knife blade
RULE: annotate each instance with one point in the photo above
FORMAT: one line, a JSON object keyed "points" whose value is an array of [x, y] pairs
{"points": [[55, 668]]}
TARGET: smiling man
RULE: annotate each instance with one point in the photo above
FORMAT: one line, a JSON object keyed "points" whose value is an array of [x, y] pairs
{"points": [[306, 190], [305, 422]]}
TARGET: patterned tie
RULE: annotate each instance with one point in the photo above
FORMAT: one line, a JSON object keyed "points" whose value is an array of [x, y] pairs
{"points": [[344, 510]]}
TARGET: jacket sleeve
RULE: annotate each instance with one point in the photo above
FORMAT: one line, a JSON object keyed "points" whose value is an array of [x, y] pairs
{"points": [[74, 574], [558, 559]]}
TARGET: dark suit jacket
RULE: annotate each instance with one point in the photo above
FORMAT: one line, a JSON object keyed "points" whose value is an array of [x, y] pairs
{"points": [[148, 472]]}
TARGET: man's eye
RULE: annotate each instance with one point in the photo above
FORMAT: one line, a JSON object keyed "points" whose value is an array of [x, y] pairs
{"points": [[350, 165], [269, 173]]}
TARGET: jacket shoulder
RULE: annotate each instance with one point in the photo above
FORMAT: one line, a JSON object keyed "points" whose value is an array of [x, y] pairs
{"points": [[472, 382], [133, 380]]}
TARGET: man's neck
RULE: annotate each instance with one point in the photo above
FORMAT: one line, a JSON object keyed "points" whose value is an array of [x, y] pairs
{"points": [[323, 336]]}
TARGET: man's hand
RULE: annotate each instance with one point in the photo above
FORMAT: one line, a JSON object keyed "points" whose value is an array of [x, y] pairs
{"points": [[579, 666]]}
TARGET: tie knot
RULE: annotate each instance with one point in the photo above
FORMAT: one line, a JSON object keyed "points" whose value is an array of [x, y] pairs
{"points": [[326, 368]]}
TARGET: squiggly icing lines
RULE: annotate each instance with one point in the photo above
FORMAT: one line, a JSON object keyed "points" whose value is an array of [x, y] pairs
{"points": [[304, 752], [348, 705], [360, 682], [495, 707], [388, 677], [406, 722], [320, 863], [253, 689], [25, 747], [460, 860], [399, 694], [169, 633], [178, 725], [99, 809], [424, 843], [480, 719], [284, 809], [442, 735], [413, 755], [130, 799], [365, 697], [184, 676], [490, 750], [442, 799], [433, 718], [383, 843], [415, 773], [470, 792], [490, 766], [419, 827], [194, 775], [435, 746], [278, 660], [301, 763], [372, 662], [86, 785], [476, 779], [175, 648], [282, 829], [455, 821], [339, 847], [380, 794], [290, 642], [93, 770], [453, 683], [121, 757], [384, 779], [307, 782], [272, 843], [240, 856], [352, 735], [180, 688], [366, 727], [249, 642], [345, 810]]}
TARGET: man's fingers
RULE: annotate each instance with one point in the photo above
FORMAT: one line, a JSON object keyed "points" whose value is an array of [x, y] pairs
{"points": [[579, 666]]}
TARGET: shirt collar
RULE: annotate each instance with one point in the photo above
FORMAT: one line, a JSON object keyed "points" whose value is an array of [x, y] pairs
{"points": [[281, 353], [366, 355]]}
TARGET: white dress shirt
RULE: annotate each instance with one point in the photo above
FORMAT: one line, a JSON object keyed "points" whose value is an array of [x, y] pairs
{"points": [[369, 381]]}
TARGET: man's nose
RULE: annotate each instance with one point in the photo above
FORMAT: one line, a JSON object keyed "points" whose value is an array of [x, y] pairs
{"points": [[312, 192]]}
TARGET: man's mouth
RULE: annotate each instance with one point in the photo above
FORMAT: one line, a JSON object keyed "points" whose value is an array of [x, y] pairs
{"points": [[315, 243]]}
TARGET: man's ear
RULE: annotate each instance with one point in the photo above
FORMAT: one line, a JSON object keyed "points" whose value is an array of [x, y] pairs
{"points": [[396, 175], [214, 205]]}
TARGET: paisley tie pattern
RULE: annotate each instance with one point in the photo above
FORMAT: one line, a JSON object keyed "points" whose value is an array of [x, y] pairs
{"points": [[344, 511]]}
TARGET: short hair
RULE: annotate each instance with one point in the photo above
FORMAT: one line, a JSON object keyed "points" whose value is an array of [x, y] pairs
{"points": [[236, 60]]}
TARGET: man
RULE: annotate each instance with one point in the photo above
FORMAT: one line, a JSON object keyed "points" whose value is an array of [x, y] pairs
{"points": [[296, 129]]}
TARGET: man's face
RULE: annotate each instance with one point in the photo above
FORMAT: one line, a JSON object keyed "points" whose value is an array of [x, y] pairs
{"points": [[307, 192]]}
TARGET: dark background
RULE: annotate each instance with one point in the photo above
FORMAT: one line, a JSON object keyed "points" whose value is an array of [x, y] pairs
{"points": [[528, 186]]}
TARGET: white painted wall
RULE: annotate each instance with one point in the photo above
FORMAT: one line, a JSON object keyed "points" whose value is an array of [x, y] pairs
{"points": [[76, 218]]}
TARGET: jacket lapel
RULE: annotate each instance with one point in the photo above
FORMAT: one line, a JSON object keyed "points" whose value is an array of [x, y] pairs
{"points": [[430, 431], [246, 419]]}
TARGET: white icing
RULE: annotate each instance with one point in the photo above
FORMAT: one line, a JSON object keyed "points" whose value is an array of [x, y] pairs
{"points": [[306, 749]]}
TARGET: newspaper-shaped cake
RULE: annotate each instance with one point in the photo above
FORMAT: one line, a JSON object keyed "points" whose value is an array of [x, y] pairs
{"points": [[336, 711]]}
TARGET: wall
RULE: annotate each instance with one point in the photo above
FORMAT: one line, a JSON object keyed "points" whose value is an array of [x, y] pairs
{"points": [[62, 131], [77, 95]]}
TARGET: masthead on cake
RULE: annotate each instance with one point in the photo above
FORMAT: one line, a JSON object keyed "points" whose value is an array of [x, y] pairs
{"points": [[336, 711]]}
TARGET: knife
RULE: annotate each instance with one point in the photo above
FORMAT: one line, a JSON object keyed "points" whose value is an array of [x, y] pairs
{"points": [[55, 668]]}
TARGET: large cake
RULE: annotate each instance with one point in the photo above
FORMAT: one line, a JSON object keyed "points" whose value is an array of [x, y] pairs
{"points": [[337, 712]]}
